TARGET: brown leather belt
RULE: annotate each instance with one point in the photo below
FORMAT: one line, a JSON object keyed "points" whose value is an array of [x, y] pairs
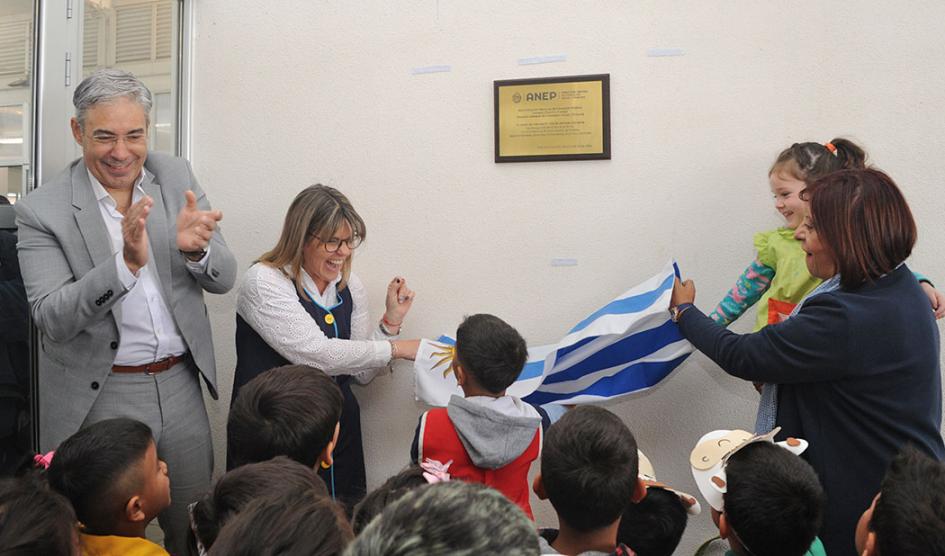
{"points": [[152, 368]]}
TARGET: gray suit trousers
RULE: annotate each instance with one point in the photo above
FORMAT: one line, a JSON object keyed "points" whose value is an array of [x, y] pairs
{"points": [[172, 405]]}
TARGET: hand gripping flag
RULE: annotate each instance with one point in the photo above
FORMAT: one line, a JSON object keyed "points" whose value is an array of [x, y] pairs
{"points": [[626, 346]]}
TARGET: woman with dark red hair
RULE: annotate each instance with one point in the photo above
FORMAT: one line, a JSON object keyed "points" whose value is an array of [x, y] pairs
{"points": [[858, 363]]}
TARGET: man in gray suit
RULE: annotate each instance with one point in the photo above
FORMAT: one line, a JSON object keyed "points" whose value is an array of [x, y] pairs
{"points": [[115, 254]]}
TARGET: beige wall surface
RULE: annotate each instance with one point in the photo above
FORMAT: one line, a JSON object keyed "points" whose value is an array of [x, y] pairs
{"points": [[291, 93]]}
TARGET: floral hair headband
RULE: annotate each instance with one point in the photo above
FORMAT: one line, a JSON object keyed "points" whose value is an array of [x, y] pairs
{"points": [[43, 460], [434, 471]]}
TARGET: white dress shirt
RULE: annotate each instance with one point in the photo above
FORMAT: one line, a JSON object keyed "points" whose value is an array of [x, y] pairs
{"points": [[147, 332], [268, 302]]}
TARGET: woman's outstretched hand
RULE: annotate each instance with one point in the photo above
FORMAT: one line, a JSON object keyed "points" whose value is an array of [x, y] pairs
{"points": [[405, 349], [398, 302], [683, 292]]}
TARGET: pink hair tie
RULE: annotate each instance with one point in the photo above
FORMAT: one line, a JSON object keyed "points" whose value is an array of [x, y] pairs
{"points": [[40, 460], [434, 471], [831, 147]]}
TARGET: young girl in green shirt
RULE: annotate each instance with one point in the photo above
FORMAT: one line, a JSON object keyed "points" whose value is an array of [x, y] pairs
{"points": [[778, 279]]}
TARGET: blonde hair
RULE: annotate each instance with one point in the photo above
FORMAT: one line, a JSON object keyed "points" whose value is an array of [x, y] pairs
{"points": [[317, 211]]}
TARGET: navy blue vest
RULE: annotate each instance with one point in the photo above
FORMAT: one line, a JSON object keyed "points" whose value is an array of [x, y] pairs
{"points": [[346, 480], [255, 356]]}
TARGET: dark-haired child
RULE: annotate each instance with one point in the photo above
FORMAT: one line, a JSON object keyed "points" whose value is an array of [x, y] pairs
{"points": [[764, 498], [489, 437], [589, 472], [111, 473], [378, 499], [298, 523], [287, 411], [35, 521], [908, 514], [654, 526], [239, 487], [428, 472]]}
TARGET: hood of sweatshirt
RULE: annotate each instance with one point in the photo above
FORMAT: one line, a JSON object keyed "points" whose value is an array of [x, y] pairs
{"points": [[494, 431]]}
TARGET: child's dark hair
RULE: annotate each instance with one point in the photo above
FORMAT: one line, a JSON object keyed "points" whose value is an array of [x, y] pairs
{"points": [[589, 467], [296, 524], [809, 161], [491, 351], [653, 526], [35, 521], [392, 489], [774, 501], [909, 517], [239, 487], [287, 411], [98, 470]]}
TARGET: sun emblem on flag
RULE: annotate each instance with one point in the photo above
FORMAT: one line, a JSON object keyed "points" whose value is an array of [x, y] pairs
{"points": [[446, 354]]}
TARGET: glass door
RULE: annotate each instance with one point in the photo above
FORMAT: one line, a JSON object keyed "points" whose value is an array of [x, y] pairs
{"points": [[16, 61]]}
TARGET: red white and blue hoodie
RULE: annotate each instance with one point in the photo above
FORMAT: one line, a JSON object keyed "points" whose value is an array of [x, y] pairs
{"points": [[489, 440]]}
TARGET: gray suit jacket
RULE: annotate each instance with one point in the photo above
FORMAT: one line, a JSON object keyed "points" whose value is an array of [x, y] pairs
{"points": [[74, 290]]}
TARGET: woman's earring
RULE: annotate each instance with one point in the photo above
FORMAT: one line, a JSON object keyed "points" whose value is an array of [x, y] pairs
{"points": [[325, 465]]}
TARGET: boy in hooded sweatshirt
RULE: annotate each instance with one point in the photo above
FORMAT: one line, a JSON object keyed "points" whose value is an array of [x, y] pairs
{"points": [[489, 437]]}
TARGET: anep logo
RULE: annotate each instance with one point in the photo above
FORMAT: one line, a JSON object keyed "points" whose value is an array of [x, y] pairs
{"points": [[547, 95]]}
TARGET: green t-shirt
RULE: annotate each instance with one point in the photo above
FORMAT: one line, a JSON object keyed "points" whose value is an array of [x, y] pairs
{"points": [[792, 281]]}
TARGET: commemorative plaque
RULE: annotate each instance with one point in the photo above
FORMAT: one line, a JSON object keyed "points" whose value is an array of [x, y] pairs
{"points": [[552, 118]]}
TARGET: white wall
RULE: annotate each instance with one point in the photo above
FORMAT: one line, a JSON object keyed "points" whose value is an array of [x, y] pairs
{"points": [[290, 93]]}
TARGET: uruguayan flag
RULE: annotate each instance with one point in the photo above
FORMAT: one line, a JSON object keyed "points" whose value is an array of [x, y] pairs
{"points": [[626, 346]]}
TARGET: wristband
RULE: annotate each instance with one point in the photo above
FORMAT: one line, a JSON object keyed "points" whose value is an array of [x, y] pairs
{"points": [[386, 331], [676, 311], [389, 323]]}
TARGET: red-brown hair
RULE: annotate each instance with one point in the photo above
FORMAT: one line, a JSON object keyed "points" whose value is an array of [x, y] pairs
{"points": [[862, 217]]}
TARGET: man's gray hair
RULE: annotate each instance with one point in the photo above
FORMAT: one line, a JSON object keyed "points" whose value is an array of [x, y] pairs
{"points": [[456, 518], [105, 85]]}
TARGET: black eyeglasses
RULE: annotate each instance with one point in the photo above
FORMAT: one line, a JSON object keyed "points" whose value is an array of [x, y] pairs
{"points": [[334, 244]]}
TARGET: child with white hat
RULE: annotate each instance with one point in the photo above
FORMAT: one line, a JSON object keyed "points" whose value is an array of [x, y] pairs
{"points": [[765, 499]]}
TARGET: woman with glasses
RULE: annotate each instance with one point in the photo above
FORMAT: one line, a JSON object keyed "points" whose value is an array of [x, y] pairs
{"points": [[301, 304]]}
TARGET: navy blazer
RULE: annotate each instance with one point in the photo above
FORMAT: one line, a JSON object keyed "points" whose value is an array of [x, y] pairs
{"points": [[860, 378]]}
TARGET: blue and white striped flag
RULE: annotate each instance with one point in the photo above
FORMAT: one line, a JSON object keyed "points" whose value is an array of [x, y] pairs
{"points": [[626, 346]]}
